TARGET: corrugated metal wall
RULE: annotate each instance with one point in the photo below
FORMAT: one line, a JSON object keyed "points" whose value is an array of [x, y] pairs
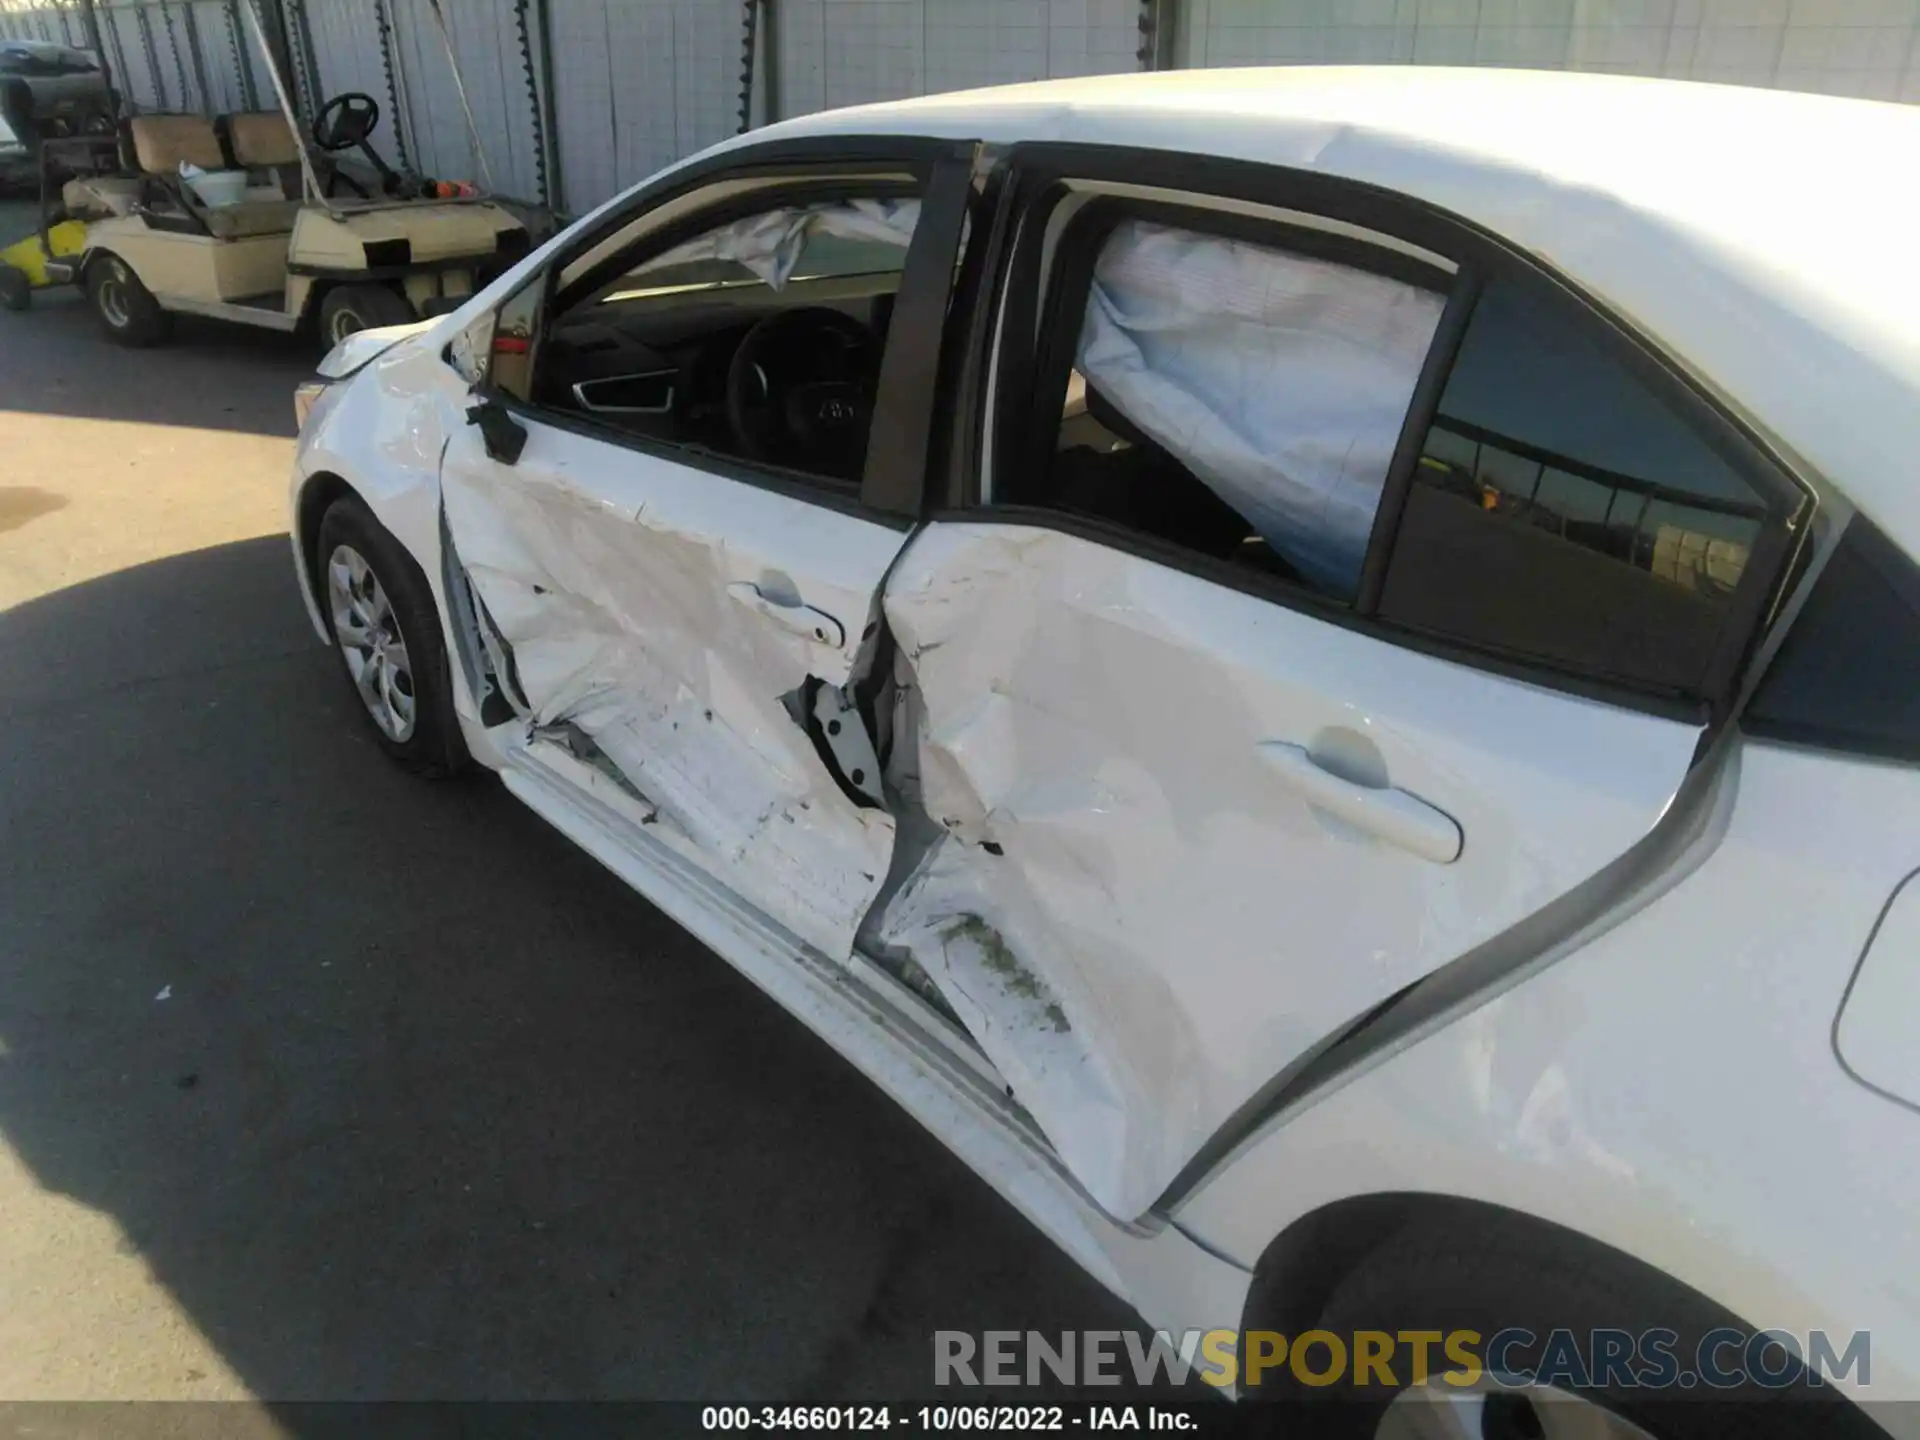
{"points": [[484, 37], [637, 86], [637, 83], [846, 52], [165, 54], [1843, 47]]}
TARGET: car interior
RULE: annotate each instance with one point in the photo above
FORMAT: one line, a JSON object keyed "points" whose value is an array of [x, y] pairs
{"points": [[1095, 461], [708, 355], [1107, 468]]}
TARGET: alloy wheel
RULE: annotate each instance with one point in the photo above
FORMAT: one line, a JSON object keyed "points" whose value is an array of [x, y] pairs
{"points": [[1486, 1411], [369, 637]]}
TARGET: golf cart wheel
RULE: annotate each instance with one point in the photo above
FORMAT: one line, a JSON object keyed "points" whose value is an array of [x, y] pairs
{"points": [[15, 292], [386, 631], [352, 308], [126, 308]]}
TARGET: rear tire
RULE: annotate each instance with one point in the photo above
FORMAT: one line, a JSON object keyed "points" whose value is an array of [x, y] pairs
{"points": [[1444, 1279], [15, 292], [386, 631], [126, 309], [349, 309]]}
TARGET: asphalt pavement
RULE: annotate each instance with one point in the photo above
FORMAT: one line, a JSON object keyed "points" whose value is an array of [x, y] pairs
{"points": [[319, 1082]]}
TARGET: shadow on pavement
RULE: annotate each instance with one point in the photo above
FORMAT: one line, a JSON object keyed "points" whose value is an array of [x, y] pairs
{"points": [[55, 360], [435, 1107]]}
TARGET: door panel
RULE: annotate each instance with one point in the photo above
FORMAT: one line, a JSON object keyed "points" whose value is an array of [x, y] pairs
{"points": [[649, 609], [1189, 833]]}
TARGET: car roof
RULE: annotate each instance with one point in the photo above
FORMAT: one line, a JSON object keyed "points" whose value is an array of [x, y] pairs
{"points": [[1764, 239]]}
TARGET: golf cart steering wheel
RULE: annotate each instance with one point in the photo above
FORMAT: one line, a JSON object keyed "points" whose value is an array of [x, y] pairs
{"points": [[346, 121], [800, 390]]}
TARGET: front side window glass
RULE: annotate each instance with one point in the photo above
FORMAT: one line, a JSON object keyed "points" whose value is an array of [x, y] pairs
{"points": [[759, 339]]}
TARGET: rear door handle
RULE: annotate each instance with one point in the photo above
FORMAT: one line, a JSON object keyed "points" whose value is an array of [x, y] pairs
{"points": [[1391, 815], [792, 615]]}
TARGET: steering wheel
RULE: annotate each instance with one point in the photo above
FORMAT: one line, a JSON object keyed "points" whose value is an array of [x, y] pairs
{"points": [[346, 121], [800, 388]]}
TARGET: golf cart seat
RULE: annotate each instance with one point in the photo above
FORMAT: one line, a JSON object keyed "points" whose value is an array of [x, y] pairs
{"points": [[161, 144], [262, 140]]}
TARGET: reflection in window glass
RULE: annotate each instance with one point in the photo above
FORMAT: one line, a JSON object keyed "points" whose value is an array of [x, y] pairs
{"points": [[1623, 516], [1564, 511], [832, 240]]}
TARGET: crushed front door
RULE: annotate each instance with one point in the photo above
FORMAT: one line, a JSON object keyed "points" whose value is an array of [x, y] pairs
{"points": [[679, 628], [689, 631]]}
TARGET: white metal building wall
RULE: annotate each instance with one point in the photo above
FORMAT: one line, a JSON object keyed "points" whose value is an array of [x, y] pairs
{"points": [[638, 86], [1845, 47], [847, 52], [220, 35], [346, 51], [486, 41], [40, 22], [638, 83], [127, 35], [164, 54], [431, 131]]}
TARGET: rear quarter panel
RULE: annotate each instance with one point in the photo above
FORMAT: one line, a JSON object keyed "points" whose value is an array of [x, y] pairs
{"points": [[1671, 1089]]}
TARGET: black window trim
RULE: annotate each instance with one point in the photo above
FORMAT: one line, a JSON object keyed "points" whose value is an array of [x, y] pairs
{"points": [[1036, 175], [891, 492], [1866, 545]]}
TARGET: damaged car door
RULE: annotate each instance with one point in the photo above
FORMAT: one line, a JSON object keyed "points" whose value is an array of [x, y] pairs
{"points": [[673, 523], [1334, 605]]}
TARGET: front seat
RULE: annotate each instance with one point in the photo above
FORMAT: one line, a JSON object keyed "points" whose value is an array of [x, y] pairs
{"points": [[1147, 488]]}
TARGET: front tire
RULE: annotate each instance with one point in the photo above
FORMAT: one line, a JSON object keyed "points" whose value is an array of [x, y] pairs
{"points": [[126, 309], [349, 309], [386, 631]]}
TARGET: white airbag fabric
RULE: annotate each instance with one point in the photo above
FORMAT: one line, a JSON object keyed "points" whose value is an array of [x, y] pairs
{"points": [[770, 244], [1280, 381]]}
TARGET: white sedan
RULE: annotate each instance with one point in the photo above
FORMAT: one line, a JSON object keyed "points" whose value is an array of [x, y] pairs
{"points": [[1318, 670]]}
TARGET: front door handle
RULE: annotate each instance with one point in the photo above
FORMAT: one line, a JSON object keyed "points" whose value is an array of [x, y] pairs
{"points": [[1392, 815], [801, 619]]}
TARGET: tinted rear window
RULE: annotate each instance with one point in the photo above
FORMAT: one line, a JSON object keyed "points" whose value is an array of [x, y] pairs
{"points": [[1564, 512]]}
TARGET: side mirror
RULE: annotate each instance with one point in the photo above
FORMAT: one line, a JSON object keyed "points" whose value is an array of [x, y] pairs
{"points": [[504, 436]]}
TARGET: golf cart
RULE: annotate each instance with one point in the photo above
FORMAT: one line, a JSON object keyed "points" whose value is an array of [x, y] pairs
{"points": [[240, 219]]}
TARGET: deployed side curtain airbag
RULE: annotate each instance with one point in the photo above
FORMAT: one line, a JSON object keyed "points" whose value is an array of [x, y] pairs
{"points": [[770, 244], [1280, 381]]}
